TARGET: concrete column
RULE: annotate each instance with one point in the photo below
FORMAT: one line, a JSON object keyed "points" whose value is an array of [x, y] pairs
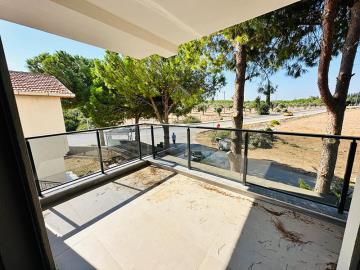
{"points": [[350, 249]]}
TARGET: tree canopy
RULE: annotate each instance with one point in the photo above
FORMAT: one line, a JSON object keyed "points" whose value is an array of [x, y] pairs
{"points": [[156, 85], [72, 71]]}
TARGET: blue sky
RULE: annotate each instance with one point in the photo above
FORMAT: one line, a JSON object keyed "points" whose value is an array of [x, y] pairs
{"points": [[21, 43]]}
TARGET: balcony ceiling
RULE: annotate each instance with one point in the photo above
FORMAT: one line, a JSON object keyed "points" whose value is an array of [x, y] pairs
{"points": [[138, 28]]}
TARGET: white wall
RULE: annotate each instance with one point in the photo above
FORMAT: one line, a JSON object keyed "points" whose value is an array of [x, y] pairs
{"points": [[42, 115]]}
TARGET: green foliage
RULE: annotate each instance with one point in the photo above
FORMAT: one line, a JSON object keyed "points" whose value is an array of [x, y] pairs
{"points": [[179, 111], [256, 140], [202, 107], [116, 95], [267, 89], [218, 110], [164, 85], [274, 123], [191, 119], [263, 109], [222, 134], [75, 120], [300, 102], [353, 99], [106, 107], [72, 71], [304, 185], [261, 140], [72, 119], [219, 103], [336, 187]]}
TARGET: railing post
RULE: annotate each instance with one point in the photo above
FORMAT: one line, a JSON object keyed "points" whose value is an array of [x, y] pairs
{"points": [[153, 142], [347, 175], [137, 130], [100, 152], [245, 161], [189, 148], [37, 184]]}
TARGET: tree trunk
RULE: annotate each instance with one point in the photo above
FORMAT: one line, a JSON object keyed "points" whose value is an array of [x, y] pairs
{"points": [[137, 119], [166, 137], [238, 103], [329, 152], [166, 132], [268, 101], [336, 104], [102, 137]]}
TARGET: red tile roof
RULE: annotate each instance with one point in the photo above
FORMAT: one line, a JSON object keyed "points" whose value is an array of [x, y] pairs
{"points": [[26, 83]]}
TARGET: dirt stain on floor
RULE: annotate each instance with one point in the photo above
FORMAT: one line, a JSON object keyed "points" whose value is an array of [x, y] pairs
{"points": [[290, 236]]}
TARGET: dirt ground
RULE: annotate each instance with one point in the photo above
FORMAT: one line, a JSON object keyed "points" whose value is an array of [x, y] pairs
{"points": [[82, 166], [303, 153]]}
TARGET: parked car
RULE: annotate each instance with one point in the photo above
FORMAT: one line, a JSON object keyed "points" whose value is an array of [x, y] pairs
{"points": [[223, 144], [196, 156], [288, 114]]}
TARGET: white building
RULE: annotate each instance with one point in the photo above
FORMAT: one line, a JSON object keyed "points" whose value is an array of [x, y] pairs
{"points": [[38, 98]]}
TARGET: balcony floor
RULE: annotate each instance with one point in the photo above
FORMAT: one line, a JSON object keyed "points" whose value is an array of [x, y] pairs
{"points": [[185, 223]]}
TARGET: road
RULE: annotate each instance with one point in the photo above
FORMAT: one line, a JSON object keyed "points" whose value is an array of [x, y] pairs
{"points": [[181, 135], [86, 139]]}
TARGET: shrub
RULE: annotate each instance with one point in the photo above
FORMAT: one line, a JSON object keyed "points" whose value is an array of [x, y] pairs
{"points": [[261, 140], [263, 108], [277, 110], [74, 120], [274, 123], [304, 185], [202, 108], [336, 187], [191, 119], [222, 134], [218, 110]]}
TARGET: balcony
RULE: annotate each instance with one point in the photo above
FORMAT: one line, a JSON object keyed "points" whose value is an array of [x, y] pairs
{"points": [[185, 223], [119, 199]]}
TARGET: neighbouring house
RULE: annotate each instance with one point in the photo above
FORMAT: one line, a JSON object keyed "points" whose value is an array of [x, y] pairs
{"points": [[38, 98]]}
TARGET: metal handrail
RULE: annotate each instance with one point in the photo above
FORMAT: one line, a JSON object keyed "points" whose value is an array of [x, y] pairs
{"points": [[348, 170], [301, 134], [80, 131]]}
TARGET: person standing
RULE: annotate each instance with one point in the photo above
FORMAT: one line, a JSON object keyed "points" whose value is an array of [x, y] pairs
{"points": [[173, 136]]}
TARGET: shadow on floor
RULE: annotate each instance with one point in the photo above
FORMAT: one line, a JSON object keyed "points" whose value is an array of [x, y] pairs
{"points": [[71, 217]]}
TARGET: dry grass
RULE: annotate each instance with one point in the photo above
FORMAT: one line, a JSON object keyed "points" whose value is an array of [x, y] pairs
{"points": [[303, 153], [82, 166]]}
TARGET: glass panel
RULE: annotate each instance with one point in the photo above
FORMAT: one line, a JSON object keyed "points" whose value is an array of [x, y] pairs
{"points": [[145, 137], [290, 164], [176, 151], [64, 158], [159, 141], [210, 153], [118, 146]]}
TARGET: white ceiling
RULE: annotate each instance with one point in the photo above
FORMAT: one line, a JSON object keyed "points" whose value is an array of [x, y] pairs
{"points": [[138, 28]]}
